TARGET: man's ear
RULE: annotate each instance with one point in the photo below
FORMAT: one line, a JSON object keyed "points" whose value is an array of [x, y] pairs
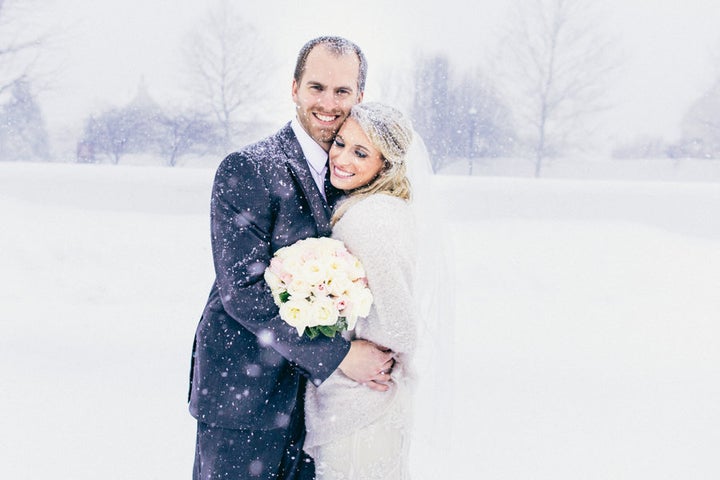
{"points": [[360, 97], [294, 90]]}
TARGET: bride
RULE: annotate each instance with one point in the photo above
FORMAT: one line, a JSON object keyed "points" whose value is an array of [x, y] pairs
{"points": [[354, 432]]}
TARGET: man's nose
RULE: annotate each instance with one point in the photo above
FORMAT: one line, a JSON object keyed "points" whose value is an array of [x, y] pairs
{"points": [[327, 100]]}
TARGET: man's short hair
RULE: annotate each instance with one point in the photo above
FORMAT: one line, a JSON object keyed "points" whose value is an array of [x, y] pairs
{"points": [[338, 46]]}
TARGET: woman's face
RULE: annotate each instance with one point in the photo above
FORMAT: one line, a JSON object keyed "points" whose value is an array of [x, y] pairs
{"points": [[354, 160]]}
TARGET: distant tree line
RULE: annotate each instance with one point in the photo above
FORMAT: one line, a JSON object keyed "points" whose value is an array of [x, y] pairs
{"points": [[539, 99], [459, 117], [700, 137], [23, 134], [544, 97], [547, 86], [143, 127]]}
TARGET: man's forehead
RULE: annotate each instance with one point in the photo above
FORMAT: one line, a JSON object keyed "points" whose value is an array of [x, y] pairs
{"points": [[321, 53], [332, 67]]}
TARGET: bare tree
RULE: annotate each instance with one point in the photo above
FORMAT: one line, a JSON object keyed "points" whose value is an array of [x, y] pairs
{"points": [[22, 130], [228, 66], [459, 118], [19, 48], [556, 63], [431, 112], [701, 127], [184, 132]]}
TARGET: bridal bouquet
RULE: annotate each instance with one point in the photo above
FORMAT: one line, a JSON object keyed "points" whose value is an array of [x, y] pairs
{"points": [[319, 286]]}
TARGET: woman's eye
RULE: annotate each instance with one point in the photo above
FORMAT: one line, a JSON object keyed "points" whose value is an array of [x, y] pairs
{"points": [[339, 143], [360, 154]]}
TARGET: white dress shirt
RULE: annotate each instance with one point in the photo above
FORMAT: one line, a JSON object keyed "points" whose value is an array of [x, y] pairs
{"points": [[316, 156]]}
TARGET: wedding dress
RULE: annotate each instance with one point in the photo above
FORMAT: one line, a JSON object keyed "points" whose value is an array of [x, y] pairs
{"points": [[435, 284], [354, 432], [378, 451]]}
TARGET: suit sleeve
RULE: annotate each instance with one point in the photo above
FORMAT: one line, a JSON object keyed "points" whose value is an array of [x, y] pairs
{"points": [[243, 212]]}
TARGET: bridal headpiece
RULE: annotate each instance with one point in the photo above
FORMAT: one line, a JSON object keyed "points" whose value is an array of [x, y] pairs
{"points": [[386, 127]]}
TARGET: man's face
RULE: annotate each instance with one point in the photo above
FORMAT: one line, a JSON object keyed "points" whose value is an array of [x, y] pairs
{"points": [[326, 92]]}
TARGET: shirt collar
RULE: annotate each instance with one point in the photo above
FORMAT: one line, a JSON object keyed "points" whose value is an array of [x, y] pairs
{"points": [[314, 153]]}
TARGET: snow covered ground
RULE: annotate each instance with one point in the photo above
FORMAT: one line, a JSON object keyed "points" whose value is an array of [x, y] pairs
{"points": [[583, 341]]}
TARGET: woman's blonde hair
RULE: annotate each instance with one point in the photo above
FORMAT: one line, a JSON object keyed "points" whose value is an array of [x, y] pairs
{"points": [[391, 133]]}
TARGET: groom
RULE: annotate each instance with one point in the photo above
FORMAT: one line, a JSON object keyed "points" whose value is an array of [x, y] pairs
{"points": [[249, 367]]}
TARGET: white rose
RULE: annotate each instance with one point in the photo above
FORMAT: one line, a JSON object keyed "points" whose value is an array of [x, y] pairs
{"points": [[276, 296], [299, 288], [339, 284], [314, 271], [291, 261], [323, 311], [329, 246], [296, 313], [362, 300], [320, 290], [273, 280], [355, 269]]}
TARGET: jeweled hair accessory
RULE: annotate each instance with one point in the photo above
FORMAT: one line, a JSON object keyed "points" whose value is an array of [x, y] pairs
{"points": [[386, 127]]}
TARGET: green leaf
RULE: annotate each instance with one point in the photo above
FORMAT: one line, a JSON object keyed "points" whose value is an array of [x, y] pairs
{"points": [[311, 332], [284, 297], [328, 330]]}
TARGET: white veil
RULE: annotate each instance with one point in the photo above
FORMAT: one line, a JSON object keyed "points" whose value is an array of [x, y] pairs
{"points": [[434, 292]]}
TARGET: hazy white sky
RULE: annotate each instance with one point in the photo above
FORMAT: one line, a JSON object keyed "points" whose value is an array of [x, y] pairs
{"points": [[106, 47]]}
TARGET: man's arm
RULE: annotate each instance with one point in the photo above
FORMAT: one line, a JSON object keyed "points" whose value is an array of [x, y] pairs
{"points": [[243, 220], [242, 224]]}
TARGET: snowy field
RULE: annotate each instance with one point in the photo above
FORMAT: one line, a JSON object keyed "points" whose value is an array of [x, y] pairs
{"points": [[583, 341]]}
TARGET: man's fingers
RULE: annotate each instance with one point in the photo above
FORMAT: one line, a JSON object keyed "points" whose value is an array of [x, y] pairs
{"points": [[386, 359], [377, 386], [387, 367]]}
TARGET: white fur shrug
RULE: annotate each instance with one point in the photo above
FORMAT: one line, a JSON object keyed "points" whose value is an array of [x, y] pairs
{"points": [[379, 230]]}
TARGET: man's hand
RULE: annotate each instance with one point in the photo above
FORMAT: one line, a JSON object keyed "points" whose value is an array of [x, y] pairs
{"points": [[368, 364]]}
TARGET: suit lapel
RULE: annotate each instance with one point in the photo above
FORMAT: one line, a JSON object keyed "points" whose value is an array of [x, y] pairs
{"points": [[299, 167]]}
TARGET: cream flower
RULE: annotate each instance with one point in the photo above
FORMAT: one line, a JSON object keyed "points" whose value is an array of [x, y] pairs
{"points": [[315, 282], [297, 313], [323, 311]]}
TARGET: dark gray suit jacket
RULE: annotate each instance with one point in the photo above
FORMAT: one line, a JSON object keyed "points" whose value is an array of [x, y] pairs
{"points": [[247, 362]]}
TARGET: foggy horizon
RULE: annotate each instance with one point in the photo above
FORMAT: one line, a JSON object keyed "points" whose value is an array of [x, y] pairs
{"points": [[101, 52]]}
